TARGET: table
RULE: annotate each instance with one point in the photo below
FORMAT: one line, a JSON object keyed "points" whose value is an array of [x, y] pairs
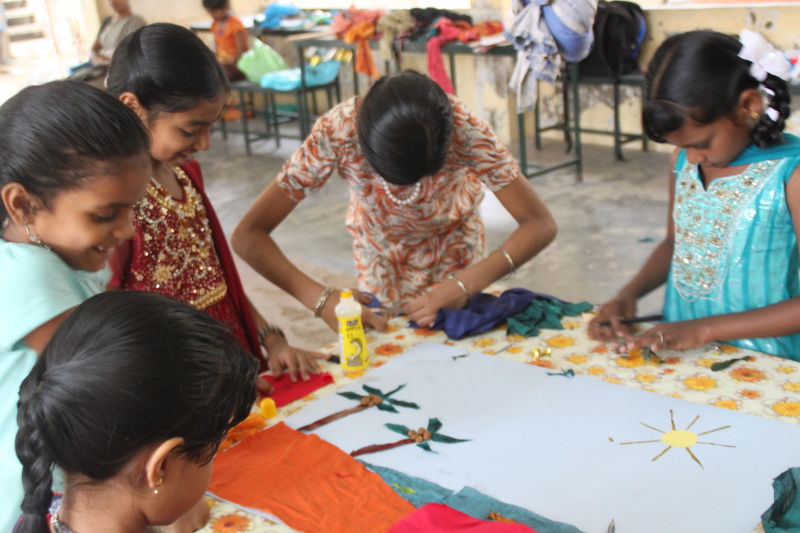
{"points": [[765, 386]]}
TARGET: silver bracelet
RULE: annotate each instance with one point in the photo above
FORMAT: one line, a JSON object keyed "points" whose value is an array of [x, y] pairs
{"points": [[510, 262], [321, 302], [268, 329], [460, 284]]}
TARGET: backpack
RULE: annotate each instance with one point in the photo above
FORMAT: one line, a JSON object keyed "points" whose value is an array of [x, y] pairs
{"points": [[619, 29]]}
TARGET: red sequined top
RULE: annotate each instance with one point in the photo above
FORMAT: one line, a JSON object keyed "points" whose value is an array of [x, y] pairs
{"points": [[176, 252]]}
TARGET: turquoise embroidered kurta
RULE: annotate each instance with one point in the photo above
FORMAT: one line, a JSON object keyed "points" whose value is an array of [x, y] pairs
{"points": [[735, 244]]}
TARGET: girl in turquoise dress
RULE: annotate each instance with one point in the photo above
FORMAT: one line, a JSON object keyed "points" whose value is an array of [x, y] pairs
{"points": [[730, 257], [73, 163]]}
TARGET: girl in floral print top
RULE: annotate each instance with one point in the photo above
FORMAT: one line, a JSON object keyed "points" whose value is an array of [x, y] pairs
{"points": [[730, 256], [417, 162]]}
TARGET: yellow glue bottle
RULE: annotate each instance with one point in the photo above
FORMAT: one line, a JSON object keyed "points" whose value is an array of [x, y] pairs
{"points": [[352, 341]]}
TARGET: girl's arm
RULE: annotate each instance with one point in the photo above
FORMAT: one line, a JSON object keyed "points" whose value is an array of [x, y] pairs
{"points": [[282, 356], [776, 320], [242, 45], [652, 275], [37, 339], [536, 230], [253, 242]]}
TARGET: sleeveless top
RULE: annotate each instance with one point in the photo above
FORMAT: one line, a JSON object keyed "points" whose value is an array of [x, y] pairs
{"points": [[735, 244]]}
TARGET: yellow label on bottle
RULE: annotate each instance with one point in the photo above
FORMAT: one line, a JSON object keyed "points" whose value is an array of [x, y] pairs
{"points": [[353, 344]]}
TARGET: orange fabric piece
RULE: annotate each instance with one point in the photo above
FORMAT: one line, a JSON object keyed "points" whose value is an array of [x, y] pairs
{"points": [[360, 34], [246, 428], [310, 484]]}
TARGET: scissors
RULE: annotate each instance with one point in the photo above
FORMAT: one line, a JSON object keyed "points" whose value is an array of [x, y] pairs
{"points": [[375, 303]]}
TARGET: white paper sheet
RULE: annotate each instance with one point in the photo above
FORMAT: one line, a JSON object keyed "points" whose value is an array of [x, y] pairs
{"points": [[542, 442]]}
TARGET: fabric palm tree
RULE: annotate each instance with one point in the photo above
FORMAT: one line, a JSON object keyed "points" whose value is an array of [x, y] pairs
{"points": [[420, 437], [373, 398]]}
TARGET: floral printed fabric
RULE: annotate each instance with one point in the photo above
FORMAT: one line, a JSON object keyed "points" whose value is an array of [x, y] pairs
{"points": [[403, 250], [765, 385]]}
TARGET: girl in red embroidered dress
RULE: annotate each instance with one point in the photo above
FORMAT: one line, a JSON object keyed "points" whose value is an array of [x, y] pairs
{"points": [[179, 248]]}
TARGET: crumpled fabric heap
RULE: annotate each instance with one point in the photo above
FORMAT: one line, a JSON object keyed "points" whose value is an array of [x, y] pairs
{"points": [[358, 26], [784, 515], [426, 17], [539, 50], [483, 312], [543, 312], [445, 31], [397, 22]]}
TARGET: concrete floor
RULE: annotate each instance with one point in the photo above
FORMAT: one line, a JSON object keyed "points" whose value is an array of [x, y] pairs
{"points": [[608, 225]]}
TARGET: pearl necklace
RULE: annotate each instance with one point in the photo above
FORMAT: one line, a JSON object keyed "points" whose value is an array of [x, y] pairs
{"points": [[402, 201]]}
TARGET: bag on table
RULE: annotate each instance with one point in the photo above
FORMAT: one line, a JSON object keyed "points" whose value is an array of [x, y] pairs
{"points": [[619, 30], [260, 60]]}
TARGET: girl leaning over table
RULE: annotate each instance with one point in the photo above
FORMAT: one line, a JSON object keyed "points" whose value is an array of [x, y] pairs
{"points": [[416, 161], [730, 258]]}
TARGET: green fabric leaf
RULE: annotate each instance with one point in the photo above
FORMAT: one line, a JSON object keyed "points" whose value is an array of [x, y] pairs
{"points": [[350, 395], [425, 446], [401, 403], [438, 437], [392, 392], [434, 425], [397, 428], [386, 407], [372, 390]]}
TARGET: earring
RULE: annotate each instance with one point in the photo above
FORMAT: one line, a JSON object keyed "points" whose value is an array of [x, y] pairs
{"points": [[35, 238], [158, 485]]}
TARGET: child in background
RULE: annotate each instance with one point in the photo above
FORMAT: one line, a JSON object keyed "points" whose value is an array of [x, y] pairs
{"points": [[730, 257], [172, 81], [131, 399], [230, 36], [74, 162], [417, 162]]}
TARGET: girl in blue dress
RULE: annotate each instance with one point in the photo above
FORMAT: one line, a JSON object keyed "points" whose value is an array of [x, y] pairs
{"points": [[730, 257], [73, 163]]}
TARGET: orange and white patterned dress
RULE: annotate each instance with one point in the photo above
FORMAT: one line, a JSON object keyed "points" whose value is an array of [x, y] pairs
{"points": [[401, 251]]}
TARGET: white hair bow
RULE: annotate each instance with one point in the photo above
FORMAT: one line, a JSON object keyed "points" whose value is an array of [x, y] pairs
{"points": [[763, 56]]}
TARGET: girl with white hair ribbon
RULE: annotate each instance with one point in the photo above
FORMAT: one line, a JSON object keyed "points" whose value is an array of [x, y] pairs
{"points": [[730, 257]]}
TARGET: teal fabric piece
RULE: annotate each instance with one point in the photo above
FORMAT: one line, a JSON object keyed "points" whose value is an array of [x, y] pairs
{"points": [[478, 505], [467, 500], [543, 313], [753, 154], [289, 79], [735, 245], [784, 515], [424, 491]]}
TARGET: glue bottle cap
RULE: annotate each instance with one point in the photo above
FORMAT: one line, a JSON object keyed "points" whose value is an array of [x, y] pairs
{"points": [[347, 293]]}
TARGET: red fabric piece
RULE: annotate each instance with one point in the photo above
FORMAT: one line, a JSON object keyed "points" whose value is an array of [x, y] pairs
{"points": [[448, 33], [310, 484], [286, 392], [439, 518]]}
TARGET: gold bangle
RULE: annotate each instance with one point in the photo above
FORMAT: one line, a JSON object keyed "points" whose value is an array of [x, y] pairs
{"points": [[322, 299], [460, 284], [510, 262]]}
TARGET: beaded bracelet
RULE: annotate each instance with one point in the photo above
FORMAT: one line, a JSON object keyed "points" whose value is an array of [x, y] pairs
{"points": [[460, 284], [268, 329], [510, 262], [321, 302]]}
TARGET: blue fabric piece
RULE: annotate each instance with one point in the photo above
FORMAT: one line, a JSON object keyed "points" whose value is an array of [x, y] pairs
{"points": [[423, 491], [483, 312], [574, 46], [783, 516], [478, 505], [467, 500], [289, 80], [275, 13], [735, 245]]}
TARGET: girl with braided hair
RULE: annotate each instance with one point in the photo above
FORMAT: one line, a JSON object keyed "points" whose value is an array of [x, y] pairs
{"points": [[130, 399], [730, 258]]}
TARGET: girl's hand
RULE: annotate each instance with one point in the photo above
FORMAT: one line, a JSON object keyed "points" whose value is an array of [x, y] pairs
{"points": [[263, 387], [284, 357], [618, 308], [369, 318], [677, 336], [446, 294]]}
